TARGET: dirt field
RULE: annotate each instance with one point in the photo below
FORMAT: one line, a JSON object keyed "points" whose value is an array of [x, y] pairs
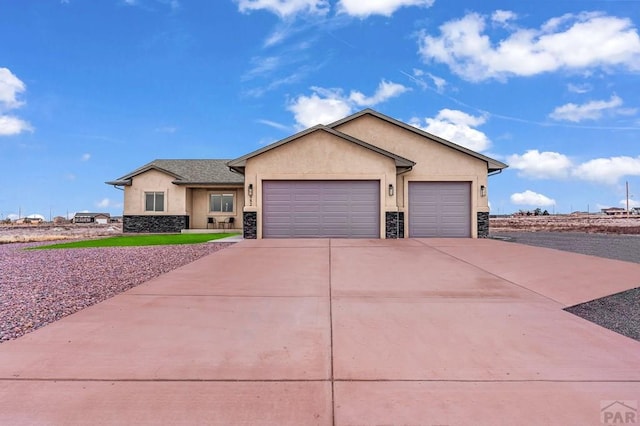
{"points": [[47, 232], [591, 224]]}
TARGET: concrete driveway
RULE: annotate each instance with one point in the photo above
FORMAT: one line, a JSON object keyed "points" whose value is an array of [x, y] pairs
{"points": [[344, 332]]}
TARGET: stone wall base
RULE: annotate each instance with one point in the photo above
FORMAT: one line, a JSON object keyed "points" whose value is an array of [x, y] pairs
{"points": [[483, 224], [394, 224], [250, 225], [154, 224]]}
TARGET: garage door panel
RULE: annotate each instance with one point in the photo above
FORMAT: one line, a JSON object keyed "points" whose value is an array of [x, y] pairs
{"points": [[439, 209], [306, 209]]}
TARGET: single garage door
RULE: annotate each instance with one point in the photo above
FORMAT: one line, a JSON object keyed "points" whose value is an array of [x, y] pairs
{"points": [[439, 209], [316, 209]]}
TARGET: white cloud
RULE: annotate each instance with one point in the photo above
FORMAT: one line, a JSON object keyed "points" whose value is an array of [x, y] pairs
{"points": [[285, 8], [439, 82], [579, 88], [457, 127], [553, 165], [106, 203], [325, 106], [276, 37], [85, 157], [420, 77], [573, 41], [530, 198], [632, 203], [541, 165], [321, 107], [10, 125], [503, 16], [275, 125], [592, 110], [10, 87], [362, 9], [386, 90], [261, 66], [608, 170]]}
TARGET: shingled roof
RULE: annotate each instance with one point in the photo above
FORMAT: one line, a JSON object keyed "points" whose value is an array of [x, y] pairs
{"points": [[187, 172]]}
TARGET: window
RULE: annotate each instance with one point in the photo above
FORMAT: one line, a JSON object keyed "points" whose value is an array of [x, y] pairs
{"points": [[221, 203], [154, 201]]}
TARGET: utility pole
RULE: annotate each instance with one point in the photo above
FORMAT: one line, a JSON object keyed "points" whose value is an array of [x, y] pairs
{"points": [[627, 198]]}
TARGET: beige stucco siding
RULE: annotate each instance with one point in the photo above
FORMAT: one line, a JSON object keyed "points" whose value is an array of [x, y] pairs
{"points": [[320, 156], [154, 181], [434, 161]]}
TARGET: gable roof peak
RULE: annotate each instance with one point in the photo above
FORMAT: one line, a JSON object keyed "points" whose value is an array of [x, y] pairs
{"points": [[492, 165], [239, 163]]}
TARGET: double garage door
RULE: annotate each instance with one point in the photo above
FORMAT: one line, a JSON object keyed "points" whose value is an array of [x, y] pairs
{"points": [[332, 209], [351, 209]]}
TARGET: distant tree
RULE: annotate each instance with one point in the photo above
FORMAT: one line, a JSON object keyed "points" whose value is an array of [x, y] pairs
{"points": [[545, 213], [537, 212]]}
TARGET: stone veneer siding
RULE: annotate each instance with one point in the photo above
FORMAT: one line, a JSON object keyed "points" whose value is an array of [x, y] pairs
{"points": [[483, 224], [154, 224], [250, 225], [394, 224]]}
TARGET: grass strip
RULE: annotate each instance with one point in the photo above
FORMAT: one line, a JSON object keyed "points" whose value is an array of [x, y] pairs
{"points": [[138, 240]]}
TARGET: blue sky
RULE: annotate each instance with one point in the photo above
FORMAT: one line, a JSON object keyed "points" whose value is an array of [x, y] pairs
{"points": [[92, 89]]}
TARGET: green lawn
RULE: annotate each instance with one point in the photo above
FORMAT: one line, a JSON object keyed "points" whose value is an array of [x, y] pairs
{"points": [[138, 240]]}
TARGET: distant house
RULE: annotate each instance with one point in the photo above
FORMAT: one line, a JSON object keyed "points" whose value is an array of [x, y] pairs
{"points": [[34, 220], [635, 210], [99, 218], [60, 220], [614, 211]]}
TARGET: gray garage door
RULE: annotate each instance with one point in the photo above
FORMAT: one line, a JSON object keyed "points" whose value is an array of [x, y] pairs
{"points": [[439, 209], [310, 209]]}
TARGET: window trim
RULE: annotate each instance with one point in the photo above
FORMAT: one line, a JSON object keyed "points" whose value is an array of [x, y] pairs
{"points": [[232, 194], [155, 207]]}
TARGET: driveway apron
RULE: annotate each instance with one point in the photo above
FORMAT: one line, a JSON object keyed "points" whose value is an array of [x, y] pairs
{"points": [[337, 332]]}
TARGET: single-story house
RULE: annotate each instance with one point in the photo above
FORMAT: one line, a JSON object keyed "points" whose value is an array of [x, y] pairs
{"points": [[614, 211], [365, 176], [99, 218]]}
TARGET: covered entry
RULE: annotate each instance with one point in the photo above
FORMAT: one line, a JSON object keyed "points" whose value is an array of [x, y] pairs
{"points": [[321, 208], [439, 209]]}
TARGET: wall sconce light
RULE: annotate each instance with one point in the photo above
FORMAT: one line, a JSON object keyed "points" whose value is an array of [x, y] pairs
{"points": [[250, 190], [483, 190], [391, 190]]}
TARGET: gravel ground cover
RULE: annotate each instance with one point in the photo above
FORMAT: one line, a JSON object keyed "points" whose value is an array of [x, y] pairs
{"points": [[618, 312], [38, 287], [611, 246]]}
